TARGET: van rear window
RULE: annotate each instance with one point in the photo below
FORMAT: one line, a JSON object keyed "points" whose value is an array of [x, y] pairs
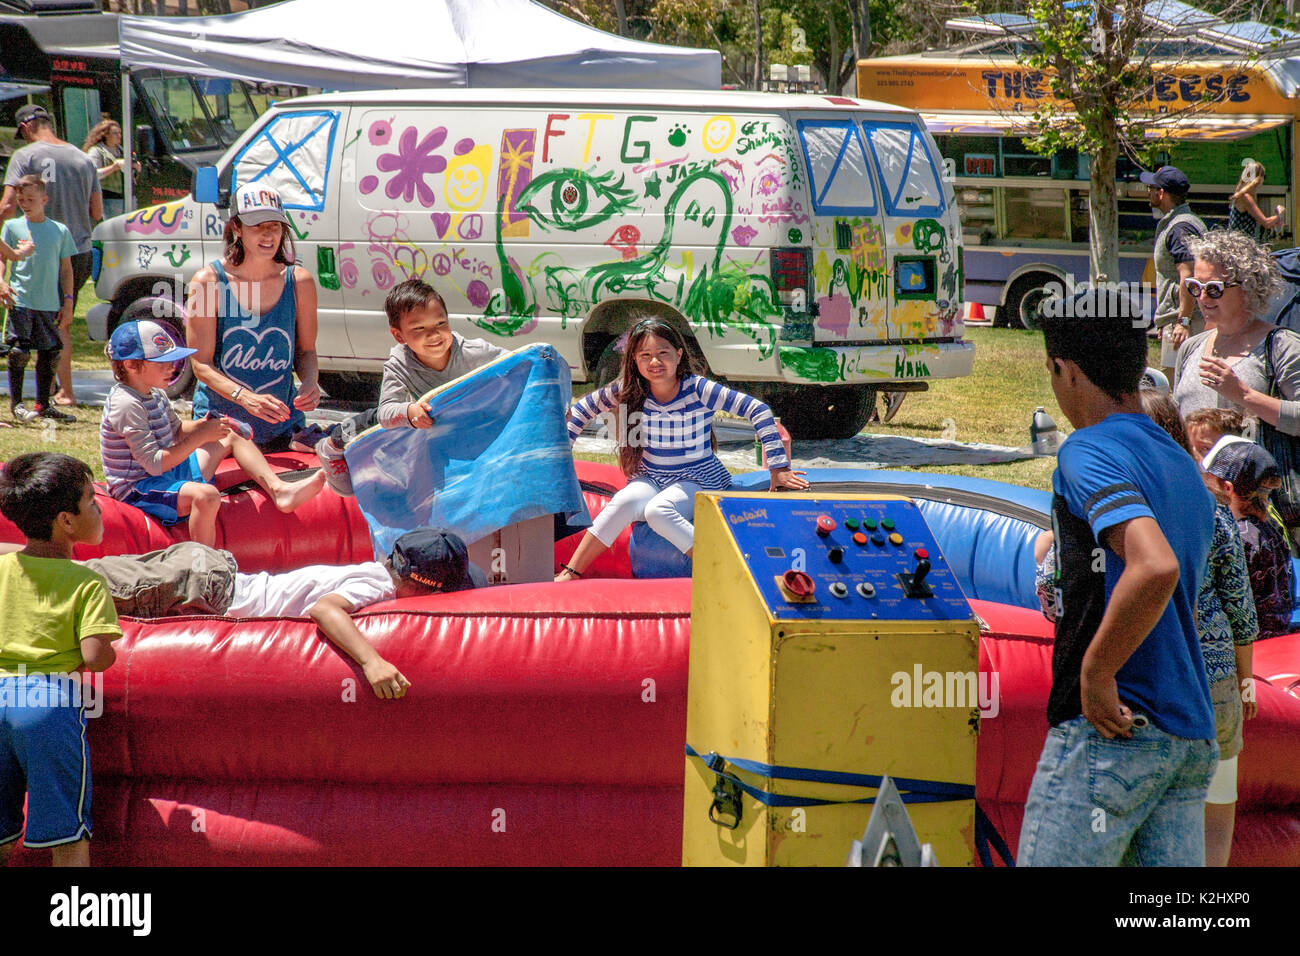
{"points": [[837, 168], [908, 175]]}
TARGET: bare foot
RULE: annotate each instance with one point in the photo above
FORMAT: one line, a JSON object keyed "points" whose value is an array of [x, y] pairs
{"points": [[63, 398], [564, 576], [290, 495]]}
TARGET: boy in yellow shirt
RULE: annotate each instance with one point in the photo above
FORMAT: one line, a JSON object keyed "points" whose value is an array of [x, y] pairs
{"points": [[59, 620]]}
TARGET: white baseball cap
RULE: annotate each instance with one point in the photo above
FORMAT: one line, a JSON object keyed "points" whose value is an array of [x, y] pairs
{"points": [[258, 202]]}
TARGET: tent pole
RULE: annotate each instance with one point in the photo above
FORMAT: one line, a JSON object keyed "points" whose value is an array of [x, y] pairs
{"points": [[128, 143]]}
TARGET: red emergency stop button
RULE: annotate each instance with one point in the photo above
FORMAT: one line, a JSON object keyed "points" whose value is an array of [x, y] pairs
{"points": [[825, 525], [798, 583]]}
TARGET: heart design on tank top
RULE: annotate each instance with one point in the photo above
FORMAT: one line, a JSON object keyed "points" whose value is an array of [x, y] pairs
{"points": [[252, 357]]}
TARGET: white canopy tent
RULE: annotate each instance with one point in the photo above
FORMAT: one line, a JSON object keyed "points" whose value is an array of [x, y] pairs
{"points": [[391, 44]]}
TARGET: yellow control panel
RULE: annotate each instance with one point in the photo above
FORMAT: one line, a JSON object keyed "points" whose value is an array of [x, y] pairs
{"points": [[815, 621]]}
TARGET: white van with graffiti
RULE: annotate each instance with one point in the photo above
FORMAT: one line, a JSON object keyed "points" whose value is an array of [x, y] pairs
{"points": [[807, 246]]}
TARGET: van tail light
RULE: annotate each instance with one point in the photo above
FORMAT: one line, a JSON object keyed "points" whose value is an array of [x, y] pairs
{"points": [[791, 268]]}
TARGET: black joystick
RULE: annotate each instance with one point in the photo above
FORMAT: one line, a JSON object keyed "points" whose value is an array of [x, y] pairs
{"points": [[919, 588], [913, 583]]}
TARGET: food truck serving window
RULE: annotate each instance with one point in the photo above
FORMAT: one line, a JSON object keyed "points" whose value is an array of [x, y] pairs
{"points": [[837, 165], [907, 171]]}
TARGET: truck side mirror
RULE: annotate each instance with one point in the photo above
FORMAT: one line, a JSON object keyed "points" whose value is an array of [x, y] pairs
{"points": [[206, 189], [146, 141]]}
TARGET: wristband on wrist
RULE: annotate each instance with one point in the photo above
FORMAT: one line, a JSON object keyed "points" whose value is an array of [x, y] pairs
{"points": [[234, 396]]}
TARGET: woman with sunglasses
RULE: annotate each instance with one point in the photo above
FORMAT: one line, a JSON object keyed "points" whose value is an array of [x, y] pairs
{"points": [[1233, 279]]}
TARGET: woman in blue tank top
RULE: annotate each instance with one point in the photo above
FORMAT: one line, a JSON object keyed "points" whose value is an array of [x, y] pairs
{"points": [[247, 353]]}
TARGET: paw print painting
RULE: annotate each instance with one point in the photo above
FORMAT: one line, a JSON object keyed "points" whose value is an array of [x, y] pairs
{"points": [[677, 135]]}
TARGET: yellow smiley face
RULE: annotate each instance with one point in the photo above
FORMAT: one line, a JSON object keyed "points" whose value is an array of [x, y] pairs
{"points": [[465, 183], [718, 133]]}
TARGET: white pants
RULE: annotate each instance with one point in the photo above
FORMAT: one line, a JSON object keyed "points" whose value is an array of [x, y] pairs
{"points": [[669, 513]]}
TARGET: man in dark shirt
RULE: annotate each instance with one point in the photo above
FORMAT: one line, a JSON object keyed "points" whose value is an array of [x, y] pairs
{"points": [[1176, 313], [1128, 759]]}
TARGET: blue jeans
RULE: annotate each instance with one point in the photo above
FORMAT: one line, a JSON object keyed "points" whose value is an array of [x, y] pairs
{"points": [[1099, 802]]}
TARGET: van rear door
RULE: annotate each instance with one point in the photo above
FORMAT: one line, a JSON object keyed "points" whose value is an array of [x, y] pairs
{"points": [[848, 258], [921, 235]]}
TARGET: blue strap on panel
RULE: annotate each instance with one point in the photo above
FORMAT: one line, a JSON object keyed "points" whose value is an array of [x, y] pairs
{"points": [[911, 791], [986, 833]]}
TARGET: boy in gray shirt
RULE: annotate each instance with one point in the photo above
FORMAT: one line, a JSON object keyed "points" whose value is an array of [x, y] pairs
{"points": [[428, 354]]}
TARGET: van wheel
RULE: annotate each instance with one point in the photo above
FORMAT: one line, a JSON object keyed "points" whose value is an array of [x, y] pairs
{"points": [[819, 411], [165, 311], [351, 386], [1024, 297]]}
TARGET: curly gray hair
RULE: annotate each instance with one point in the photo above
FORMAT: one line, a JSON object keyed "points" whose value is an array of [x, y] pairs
{"points": [[1241, 260]]}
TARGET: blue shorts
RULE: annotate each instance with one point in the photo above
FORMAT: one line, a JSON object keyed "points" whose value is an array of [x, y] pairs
{"points": [[157, 495], [43, 754]]}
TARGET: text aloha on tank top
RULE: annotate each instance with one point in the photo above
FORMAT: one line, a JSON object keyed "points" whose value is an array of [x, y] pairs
{"points": [[255, 351]]}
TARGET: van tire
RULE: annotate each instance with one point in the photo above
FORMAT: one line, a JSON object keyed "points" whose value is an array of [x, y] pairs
{"points": [[351, 386], [817, 411], [1023, 299], [167, 313]]}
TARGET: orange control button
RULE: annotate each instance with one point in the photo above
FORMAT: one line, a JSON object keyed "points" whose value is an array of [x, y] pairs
{"points": [[860, 538]]}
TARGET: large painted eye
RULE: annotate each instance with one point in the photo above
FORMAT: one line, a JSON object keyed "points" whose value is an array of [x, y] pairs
{"points": [[571, 199]]}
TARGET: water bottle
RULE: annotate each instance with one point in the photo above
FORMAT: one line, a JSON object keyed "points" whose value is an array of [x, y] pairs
{"points": [[785, 440], [1043, 436]]}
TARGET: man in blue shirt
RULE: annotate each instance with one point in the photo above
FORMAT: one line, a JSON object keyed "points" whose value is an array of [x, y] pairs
{"points": [[1124, 771]]}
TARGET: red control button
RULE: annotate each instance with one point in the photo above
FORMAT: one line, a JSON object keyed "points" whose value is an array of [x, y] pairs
{"points": [[825, 525], [921, 554], [859, 538], [798, 583]]}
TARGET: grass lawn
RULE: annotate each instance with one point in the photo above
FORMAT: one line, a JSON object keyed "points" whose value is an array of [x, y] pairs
{"points": [[994, 404], [81, 440]]}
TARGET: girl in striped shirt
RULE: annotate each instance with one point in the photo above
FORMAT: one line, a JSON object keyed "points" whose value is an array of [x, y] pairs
{"points": [[664, 414]]}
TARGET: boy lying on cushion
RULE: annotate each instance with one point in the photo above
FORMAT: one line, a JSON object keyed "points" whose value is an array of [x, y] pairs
{"points": [[190, 578]]}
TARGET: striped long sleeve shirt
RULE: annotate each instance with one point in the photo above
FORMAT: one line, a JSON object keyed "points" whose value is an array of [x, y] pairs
{"points": [[676, 434], [134, 433]]}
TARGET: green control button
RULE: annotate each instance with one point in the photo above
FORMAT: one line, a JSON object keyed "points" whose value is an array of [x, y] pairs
{"points": [[869, 524], [851, 524], [887, 524]]}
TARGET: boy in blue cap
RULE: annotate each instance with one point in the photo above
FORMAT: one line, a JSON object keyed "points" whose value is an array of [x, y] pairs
{"points": [[164, 466]]}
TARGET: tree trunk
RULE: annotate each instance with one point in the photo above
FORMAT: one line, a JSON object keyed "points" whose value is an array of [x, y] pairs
{"points": [[758, 48], [864, 28], [620, 10], [833, 81], [1103, 210]]}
